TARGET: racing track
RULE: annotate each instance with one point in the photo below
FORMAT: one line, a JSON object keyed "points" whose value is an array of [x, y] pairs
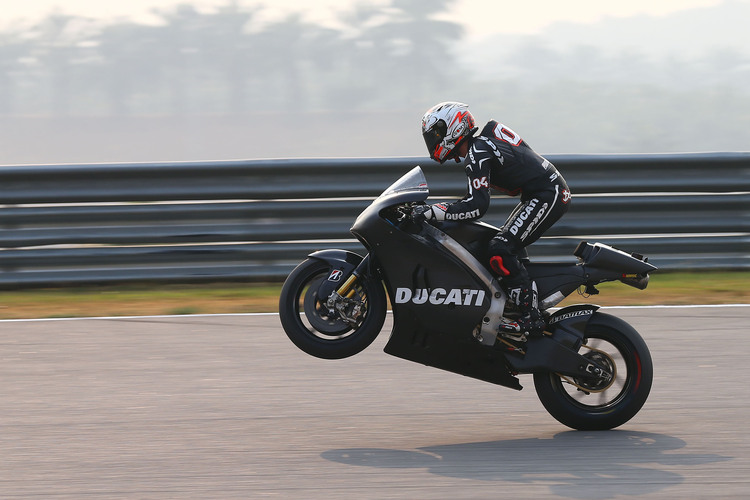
{"points": [[226, 407]]}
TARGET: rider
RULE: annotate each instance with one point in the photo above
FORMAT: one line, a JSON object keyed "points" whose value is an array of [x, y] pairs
{"points": [[498, 158]]}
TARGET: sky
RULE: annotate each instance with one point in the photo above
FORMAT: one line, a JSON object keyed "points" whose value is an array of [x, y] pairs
{"points": [[481, 17]]}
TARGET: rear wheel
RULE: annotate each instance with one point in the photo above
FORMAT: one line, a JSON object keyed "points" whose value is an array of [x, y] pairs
{"points": [[324, 331], [584, 404]]}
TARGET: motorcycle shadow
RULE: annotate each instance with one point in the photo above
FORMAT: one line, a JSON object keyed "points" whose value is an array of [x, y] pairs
{"points": [[576, 464]]}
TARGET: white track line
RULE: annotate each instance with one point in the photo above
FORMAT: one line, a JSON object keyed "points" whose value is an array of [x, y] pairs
{"points": [[176, 316]]}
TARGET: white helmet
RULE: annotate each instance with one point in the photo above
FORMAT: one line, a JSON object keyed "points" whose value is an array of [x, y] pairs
{"points": [[444, 126]]}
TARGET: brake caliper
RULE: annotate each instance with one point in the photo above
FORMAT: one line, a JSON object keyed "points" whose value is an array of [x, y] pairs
{"points": [[349, 309]]}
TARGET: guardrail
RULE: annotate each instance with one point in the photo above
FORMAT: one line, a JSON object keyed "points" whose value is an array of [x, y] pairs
{"points": [[255, 220]]}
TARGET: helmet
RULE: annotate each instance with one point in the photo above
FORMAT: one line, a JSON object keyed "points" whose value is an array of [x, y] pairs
{"points": [[444, 126]]}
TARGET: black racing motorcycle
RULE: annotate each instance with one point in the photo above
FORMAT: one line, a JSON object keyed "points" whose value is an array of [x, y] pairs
{"points": [[591, 370]]}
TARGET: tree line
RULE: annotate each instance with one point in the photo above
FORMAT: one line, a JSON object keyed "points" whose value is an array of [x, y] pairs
{"points": [[222, 61], [380, 59]]}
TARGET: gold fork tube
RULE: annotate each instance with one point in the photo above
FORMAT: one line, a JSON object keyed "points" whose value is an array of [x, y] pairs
{"points": [[345, 288]]}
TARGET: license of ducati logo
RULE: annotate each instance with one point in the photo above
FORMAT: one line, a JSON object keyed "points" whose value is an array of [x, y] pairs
{"points": [[335, 275]]}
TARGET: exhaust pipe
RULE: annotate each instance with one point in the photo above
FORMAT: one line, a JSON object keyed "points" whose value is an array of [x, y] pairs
{"points": [[629, 268]]}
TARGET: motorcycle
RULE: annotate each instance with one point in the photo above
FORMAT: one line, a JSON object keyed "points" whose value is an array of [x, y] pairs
{"points": [[591, 370]]}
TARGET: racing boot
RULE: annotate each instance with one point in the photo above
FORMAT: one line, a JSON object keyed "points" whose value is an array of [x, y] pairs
{"points": [[530, 323]]}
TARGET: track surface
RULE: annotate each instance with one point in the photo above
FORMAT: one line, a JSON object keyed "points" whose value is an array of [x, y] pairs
{"points": [[226, 407]]}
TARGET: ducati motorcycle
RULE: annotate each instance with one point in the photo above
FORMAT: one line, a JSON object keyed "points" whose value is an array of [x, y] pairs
{"points": [[591, 370]]}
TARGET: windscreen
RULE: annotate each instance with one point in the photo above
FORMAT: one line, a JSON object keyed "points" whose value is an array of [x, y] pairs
{"points": [[411, 181]]}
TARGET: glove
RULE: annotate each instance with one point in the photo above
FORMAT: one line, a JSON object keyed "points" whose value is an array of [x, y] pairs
{"points": [[429, 212]]}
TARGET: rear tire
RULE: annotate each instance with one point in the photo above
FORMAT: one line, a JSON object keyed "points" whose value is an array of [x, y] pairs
{"points": [[608, 340], [309, 324]]}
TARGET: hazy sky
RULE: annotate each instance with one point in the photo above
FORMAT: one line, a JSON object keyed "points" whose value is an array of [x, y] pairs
{"points": [[481, 17]]}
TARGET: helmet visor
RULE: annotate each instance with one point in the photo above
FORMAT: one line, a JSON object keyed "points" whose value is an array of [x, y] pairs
{"points": [[433, 138]]}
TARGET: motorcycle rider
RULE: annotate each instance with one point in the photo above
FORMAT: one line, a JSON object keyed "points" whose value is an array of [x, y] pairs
{"points": [[498, 158]]}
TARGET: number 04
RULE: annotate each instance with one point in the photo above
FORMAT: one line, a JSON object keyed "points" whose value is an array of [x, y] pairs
{"points": [[480, 183]]}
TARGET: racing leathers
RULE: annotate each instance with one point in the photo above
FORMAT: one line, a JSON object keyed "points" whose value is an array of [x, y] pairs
{"points": [[499, 159]]}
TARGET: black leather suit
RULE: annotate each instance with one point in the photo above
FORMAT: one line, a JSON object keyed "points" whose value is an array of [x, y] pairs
{"points": [[498, 158]]}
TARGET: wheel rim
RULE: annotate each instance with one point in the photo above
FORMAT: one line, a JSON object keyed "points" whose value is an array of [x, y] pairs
{"points": [[315, 317], [316, 314], [604, 395]]}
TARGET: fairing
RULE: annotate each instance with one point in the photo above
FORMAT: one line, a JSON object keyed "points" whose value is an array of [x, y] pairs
{"points": [[447, 305], [430, 277]]}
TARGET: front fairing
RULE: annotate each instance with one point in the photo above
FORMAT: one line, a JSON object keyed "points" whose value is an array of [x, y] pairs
{"points": [[445, 303], [410, 188], [430, 277]]}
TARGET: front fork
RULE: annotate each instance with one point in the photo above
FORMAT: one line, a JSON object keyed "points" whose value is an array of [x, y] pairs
{"points": [[342, 301], [347, 289]]}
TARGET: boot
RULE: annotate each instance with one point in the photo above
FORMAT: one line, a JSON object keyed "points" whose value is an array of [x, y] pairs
{"points": [[530, 323]]}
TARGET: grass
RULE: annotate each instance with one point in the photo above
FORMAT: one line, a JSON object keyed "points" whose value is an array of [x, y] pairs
{"points": [[676, 288], [138, 300], [700, 287]]}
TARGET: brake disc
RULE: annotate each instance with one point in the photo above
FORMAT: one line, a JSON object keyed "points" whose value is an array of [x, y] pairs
{"points": [[318, 315]]}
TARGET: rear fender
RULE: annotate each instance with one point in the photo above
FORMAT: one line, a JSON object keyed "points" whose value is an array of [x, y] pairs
{"points": [[568, 324], [341, 262]]}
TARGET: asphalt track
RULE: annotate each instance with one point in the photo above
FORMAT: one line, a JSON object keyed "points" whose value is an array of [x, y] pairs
{"points": [[226, 407]]}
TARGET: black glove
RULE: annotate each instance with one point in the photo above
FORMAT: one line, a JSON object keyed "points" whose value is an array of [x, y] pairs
{"points": [[420, 213], [428, 212]]}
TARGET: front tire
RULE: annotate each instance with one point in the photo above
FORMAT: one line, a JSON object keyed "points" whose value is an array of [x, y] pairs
{"points": [[310, 325], [585, 406]]}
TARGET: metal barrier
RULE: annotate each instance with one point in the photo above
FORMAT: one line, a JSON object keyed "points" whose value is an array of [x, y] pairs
{"points": [[255, 220]]}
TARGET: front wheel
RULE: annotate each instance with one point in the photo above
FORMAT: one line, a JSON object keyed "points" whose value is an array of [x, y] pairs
{"points": [[605, 404], [326, 332]]}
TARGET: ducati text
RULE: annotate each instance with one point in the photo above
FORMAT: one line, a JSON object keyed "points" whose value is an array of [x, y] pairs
{"points": [[440, 296], [523, 216], [464, 215]]}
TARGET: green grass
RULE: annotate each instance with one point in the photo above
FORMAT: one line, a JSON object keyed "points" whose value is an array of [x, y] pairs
{"points": [[137, 300], [700, 287]]}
